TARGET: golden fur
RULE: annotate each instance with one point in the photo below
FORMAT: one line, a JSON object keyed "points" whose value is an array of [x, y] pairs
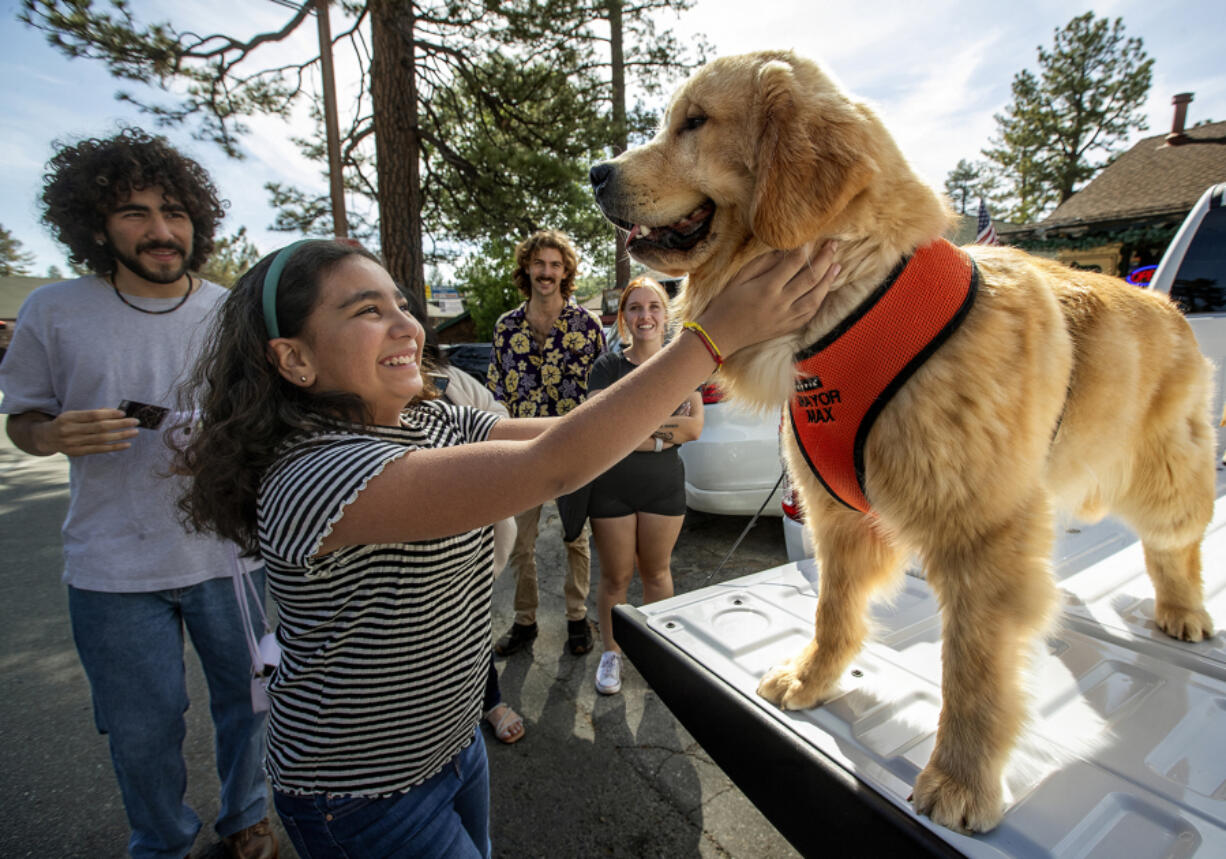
{"points": [[961, 466]]}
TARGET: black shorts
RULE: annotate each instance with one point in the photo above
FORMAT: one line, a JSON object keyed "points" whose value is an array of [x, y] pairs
{"points": [[643, 482]]}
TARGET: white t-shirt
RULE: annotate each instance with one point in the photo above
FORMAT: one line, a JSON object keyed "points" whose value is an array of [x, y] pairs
{"points": [[77, 346]]}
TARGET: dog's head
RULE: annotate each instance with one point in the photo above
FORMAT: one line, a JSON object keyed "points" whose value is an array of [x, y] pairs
{"points": [[765, 151], [761, 146]]}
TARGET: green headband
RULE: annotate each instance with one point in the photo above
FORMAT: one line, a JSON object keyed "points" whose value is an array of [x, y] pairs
{"points": [[271, 279]]}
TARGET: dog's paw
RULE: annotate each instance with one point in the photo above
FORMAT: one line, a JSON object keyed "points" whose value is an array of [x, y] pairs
{"points": [[1184, 623], [787, 688], [955, 805]]}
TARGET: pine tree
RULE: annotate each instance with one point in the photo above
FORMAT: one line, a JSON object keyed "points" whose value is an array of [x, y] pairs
{"points": [[1019, 154], [967, 182], [653, 59], [1067, 122], [423, 63], [13, 259], [232, 256], [1094, 82]]}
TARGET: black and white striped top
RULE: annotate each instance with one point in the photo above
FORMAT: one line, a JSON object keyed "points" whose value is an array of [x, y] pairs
{"points": [[385, 648]]}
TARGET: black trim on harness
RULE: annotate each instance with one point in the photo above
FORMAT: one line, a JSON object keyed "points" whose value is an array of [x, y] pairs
{"points": [[813, 469], [870, 416], [852, 318]]}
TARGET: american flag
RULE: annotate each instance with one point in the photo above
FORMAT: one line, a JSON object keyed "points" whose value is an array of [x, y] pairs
{"points": [[985, 232]]}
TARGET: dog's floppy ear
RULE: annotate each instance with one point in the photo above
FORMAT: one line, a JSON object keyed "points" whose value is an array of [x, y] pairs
{"points": [[809, 165]]}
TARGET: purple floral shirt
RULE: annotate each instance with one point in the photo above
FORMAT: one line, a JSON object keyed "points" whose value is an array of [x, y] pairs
{"points": [[543, 383]]}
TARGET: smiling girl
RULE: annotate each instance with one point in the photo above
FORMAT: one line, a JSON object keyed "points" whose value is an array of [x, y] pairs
{"points": [[323, 450], [637, 507]]}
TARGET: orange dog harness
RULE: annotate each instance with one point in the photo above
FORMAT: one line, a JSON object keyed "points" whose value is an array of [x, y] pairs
{"points": [[847, 377]]}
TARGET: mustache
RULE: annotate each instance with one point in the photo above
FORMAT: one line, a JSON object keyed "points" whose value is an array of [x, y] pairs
{"points": [[161, 246]]}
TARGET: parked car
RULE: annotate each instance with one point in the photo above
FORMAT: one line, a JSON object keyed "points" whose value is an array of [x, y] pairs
{"points": [[472, 358], [733, 468], [1193, 273]]}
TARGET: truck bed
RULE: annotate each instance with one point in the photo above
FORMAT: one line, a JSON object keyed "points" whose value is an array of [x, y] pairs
{"points": [[1125, 754]]}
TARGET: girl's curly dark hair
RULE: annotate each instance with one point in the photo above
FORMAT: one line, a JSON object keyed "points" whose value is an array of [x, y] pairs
{"points": [[529, 246], [246, 408], [86, 182]]}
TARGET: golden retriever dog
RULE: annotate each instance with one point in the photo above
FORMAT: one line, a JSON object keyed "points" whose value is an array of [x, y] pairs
{"points": [[1058, 389]]}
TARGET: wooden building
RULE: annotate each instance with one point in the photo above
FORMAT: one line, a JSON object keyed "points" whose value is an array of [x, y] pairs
{"points": [[1125, 217]]}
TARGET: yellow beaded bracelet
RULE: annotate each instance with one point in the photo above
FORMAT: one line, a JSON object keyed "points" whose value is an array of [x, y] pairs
{"points": [[706, 341]]}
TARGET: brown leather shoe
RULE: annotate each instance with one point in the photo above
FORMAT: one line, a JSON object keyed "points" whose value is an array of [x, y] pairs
{"points": [[255, 842]]}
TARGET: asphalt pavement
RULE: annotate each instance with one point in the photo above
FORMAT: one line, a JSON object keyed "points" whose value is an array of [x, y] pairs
{"points": [[593, 776]]}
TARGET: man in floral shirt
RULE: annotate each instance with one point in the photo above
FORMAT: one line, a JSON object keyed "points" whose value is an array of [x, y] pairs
{"points": [[542, 353]]}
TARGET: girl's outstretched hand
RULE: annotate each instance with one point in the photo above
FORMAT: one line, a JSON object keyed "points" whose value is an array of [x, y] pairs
{"points": [[773, 295]]}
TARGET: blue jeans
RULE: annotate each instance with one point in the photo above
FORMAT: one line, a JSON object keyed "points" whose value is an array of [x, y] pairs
{"points": [[131, 646], [445, 817]]}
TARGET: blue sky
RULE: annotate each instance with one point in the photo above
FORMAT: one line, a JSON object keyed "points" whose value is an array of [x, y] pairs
{"points": [[936, 71]]}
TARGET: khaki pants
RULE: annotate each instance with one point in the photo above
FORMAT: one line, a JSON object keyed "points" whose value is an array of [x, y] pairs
{"points": [[523, 563]]}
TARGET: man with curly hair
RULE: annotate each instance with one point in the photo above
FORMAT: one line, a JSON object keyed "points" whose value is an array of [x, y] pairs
{"points": [[141, 216], [542, 352]]}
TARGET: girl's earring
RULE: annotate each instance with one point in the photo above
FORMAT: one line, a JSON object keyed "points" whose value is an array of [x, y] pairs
{"points": [[303, 378]]}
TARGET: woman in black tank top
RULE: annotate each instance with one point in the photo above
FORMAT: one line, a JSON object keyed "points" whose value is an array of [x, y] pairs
{"points": [[637, 507]]}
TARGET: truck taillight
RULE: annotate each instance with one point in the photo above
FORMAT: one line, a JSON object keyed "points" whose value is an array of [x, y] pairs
{"points": [[790, 507]]}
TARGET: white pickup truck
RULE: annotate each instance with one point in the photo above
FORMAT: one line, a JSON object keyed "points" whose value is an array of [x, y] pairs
{"points": [[1126, 752]]}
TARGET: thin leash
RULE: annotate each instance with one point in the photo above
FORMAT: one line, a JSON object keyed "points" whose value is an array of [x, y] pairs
{"points": [[752, 522]]}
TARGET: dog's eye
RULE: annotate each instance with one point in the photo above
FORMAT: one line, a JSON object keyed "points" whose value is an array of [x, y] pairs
{"points": [[692, 123]]}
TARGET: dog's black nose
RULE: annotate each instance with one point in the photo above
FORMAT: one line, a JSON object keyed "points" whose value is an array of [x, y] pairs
{"points": [[599, 173]]}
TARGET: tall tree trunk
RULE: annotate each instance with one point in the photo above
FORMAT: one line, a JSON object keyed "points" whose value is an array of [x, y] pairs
{"points": [[621, 137], [393, 85], [336, 180]]}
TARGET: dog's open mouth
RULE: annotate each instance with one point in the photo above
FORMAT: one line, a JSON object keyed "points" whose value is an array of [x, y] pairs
{"points": [[679, 236]]}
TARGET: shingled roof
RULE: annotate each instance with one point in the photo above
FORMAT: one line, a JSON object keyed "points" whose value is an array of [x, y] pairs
{"points": [[1151, 180]]}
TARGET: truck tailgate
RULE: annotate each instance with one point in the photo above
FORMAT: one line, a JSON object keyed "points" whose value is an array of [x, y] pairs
{"points": [[1125, 754]]}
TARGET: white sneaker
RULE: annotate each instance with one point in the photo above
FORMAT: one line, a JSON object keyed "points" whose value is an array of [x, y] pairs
{"points": [[609, 673]]}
